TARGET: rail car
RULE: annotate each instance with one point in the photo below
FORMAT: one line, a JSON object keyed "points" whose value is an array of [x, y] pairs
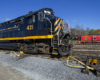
{"points": [[89, 39], [36, 32]]}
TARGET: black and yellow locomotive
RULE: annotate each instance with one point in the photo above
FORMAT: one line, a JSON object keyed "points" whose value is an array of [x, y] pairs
{"points": [[36, 32]]}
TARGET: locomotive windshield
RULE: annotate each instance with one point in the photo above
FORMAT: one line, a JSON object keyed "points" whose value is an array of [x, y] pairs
{"points": [[48, 14], [44, 14], [40, 15]]}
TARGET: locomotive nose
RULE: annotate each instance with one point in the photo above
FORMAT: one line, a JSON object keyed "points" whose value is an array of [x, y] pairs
{"points": [[61, 27]]}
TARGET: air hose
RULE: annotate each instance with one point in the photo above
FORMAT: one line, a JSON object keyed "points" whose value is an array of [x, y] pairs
{"points": [[15, 54], [78, 62]]}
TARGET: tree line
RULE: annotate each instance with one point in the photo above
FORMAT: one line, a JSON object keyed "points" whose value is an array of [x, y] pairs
{"points": [[80, 30]]}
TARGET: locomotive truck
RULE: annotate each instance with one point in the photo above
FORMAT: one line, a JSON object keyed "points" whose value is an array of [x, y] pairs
{"points": [[36, 32]]}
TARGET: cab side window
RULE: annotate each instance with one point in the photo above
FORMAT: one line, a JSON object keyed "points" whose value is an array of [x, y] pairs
{"points": [[19, 20], [31, 19], [40, 15]]}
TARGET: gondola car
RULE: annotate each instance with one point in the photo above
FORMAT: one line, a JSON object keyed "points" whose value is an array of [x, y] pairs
{"points": [[36, 32]]}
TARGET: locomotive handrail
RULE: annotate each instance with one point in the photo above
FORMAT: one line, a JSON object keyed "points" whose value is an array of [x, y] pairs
{"points": [[51, 30], [58, 33], [62, 36]]}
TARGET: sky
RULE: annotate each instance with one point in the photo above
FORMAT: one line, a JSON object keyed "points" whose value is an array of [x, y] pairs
{"points": [[85, 13]]}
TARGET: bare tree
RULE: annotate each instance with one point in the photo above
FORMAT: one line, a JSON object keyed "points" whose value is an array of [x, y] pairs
{"points": [[87, 31], [77, 30], [82, 31], [73, 31]]}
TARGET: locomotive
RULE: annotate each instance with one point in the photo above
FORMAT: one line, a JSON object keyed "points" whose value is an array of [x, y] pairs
{"points": [[36, 32]]}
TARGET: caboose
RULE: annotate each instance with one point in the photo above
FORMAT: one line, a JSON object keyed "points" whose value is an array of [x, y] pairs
{"points": [[36, 32]]}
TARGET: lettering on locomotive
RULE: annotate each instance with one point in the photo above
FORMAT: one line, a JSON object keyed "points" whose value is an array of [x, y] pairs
{"points": [[29, 27], [10, 28]]}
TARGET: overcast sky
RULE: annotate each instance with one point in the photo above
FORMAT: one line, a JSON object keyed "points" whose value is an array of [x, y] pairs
{"points": [[82, 12]]}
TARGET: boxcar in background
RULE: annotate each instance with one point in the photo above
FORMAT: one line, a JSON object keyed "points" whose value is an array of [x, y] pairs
{"points": [[89, 39]]}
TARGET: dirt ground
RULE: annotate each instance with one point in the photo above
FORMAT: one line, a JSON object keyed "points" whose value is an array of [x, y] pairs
{"points": [[8, 73]]}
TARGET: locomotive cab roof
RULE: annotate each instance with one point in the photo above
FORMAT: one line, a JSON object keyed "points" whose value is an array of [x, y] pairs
{"points": [[28, 15]]}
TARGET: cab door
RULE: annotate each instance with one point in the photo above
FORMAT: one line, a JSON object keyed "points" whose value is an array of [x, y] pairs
{"points": [[31, 28], [42, 27]]}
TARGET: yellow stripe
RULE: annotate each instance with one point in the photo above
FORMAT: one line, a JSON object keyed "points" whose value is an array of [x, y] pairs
{"points": [[28, 37], [58, 31], [54, 53], [56, 21], [55, 38], [55, 48], [57, 26], [12, 21], [55, 43], [63, 25], [62, 28]]}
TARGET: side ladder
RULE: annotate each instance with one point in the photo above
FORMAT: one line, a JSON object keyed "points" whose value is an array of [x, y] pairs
{"points": [[55, 45], [56, 42]]}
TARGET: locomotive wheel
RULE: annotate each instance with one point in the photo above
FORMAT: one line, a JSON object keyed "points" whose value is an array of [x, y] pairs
{"points": [[62, 50], [21, 48]]}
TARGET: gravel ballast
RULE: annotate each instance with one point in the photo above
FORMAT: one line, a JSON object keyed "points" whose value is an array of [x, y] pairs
{"points": [[38, 68]]}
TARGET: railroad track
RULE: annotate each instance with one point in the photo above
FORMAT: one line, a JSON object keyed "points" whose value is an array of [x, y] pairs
{"points": [[75, 53], [77, 45], [80, 50], [84, 50]]}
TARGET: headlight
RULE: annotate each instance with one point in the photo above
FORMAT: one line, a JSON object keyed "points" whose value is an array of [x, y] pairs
{"points": [[47, 12]]}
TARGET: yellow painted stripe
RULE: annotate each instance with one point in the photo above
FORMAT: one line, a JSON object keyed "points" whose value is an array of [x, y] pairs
{"points": [[58, 31], [55, 43], [28, 37], [12, 21], [54, 53], [62, 28], [58, 25], [55, 48], [63, 25], [56, 21], [55, 38]]}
